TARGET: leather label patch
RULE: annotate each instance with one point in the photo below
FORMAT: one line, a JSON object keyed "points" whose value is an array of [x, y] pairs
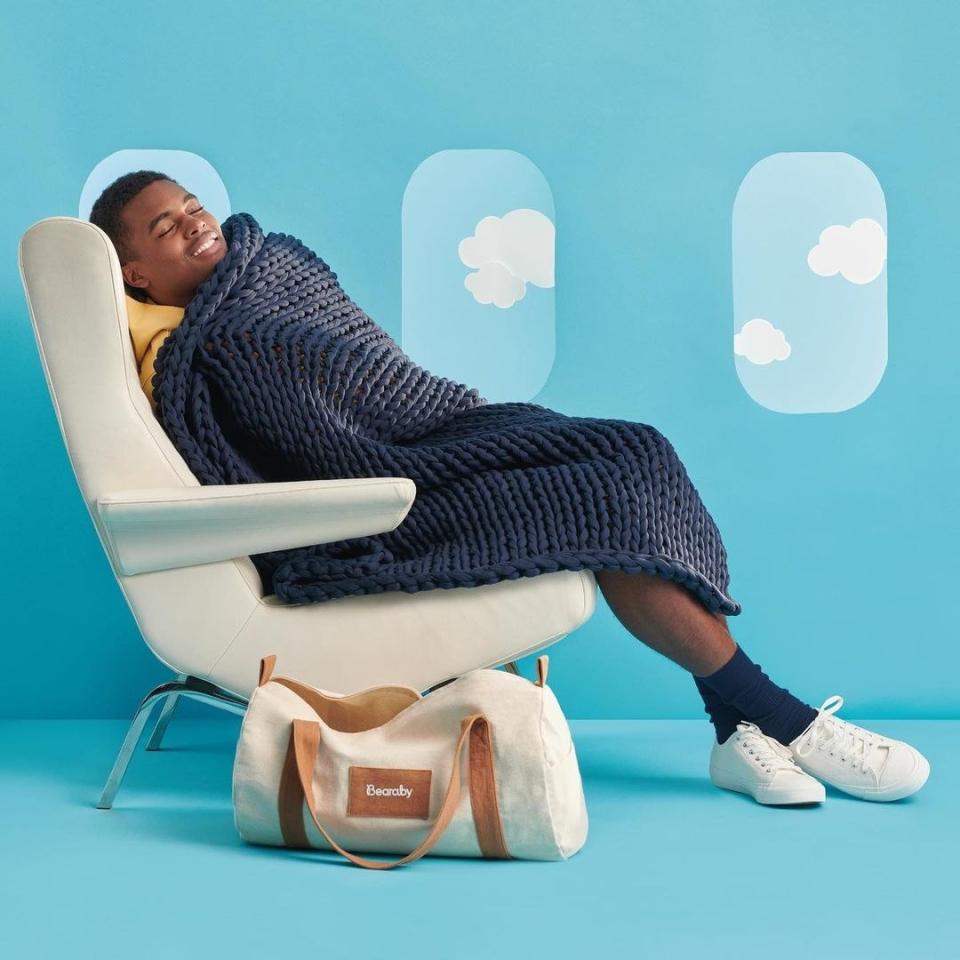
{"points": [[388, 792]]}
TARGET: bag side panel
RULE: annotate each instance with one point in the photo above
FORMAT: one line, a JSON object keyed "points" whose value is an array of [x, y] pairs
{"points": [[258, 763], [568, 807]]}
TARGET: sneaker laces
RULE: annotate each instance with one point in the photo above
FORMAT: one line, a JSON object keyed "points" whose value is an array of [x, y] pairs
{"points": [[771, 754], [842, 738]]}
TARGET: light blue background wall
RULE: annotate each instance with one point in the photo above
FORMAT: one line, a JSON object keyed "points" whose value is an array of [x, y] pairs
{"points": [[644, 118]]}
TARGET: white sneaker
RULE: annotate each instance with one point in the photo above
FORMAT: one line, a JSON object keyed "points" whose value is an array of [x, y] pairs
{"points": [[749, 761], [858, 761]]}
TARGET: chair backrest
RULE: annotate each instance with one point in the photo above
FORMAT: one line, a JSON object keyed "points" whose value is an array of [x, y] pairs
{"points": [[74, 288]]}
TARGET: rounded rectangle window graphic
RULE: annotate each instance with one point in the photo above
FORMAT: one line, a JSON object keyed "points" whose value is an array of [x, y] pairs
{"points": [[478, 271], [810, 282]]}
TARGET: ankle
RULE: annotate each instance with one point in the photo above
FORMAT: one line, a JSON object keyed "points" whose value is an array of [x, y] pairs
{"points": [[742, 685]]}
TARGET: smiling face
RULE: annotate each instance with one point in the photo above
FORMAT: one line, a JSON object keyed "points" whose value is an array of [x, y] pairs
{"points": [[170, 234]]}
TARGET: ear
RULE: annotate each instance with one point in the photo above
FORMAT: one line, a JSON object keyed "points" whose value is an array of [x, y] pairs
{"points": [[132, 275]]}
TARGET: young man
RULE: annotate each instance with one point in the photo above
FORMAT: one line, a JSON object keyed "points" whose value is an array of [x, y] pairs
{"points": [[168, 244], [768, 744]]}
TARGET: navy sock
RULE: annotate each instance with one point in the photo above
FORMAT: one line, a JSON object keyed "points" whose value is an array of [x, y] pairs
{"points": [[724, 718], [740, 683]]}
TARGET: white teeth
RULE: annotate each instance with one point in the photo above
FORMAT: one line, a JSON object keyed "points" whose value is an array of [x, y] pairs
{"points": [[207, 244]]}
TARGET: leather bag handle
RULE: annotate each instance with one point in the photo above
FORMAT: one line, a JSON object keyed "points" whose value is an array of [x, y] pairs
{"points": [[306, 742]]}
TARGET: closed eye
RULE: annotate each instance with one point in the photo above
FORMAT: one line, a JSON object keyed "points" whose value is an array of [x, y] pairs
{"points": [[174, 227]]}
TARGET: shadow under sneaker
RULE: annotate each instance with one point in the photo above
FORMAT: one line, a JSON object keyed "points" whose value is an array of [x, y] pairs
{"points": [[751, 762], [858, 761]]}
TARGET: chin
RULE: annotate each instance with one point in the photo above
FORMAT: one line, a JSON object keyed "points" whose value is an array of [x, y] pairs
{"points": [[210, 265]]}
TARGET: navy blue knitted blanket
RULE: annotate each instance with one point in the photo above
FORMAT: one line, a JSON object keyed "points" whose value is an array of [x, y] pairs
{"points": [[275, 374]]}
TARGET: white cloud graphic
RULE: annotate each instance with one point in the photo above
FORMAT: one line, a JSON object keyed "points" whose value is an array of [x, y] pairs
{"points": [[494, 283], [856, 252], [508, 253], [760, 342]]}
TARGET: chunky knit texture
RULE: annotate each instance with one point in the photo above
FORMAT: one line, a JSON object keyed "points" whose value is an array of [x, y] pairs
{"points": [[275, 374]]}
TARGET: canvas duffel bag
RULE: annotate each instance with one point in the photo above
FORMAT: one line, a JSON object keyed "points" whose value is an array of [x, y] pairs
{"points": [[381, 770]]}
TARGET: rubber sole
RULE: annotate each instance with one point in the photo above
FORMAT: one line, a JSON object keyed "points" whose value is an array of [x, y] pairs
{"points": [[898, 791], [804, 793]]}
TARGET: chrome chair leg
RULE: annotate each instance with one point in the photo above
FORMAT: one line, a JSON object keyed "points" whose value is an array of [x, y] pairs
{"points": [[163, 720], [186, 687]]}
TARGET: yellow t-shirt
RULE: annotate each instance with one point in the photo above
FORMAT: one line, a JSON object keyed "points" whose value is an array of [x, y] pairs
{"points": [[150, 323]]}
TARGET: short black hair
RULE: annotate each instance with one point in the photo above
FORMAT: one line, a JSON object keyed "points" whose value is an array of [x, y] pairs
{"points": [[106, 214]]}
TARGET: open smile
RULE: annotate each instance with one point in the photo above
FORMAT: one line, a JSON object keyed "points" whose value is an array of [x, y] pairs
{"points": [[205, 246]]}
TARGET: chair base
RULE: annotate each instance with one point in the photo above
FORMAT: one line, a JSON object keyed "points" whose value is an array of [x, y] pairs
{"points": [[170, 693]]}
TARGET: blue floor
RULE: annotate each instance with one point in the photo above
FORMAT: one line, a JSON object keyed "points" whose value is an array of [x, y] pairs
{"points": [[673, 867]]}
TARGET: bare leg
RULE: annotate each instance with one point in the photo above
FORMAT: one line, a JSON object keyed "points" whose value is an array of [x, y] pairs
{"points": [[669, 618]]}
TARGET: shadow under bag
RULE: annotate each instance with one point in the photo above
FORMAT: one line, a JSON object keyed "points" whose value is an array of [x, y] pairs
{"points": [[483, 766]]}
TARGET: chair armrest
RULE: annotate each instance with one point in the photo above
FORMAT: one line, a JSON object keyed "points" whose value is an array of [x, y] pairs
{"points": [[164, 528]]}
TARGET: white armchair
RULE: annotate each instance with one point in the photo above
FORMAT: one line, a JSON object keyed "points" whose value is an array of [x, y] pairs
{"points": [[180, 551]]}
